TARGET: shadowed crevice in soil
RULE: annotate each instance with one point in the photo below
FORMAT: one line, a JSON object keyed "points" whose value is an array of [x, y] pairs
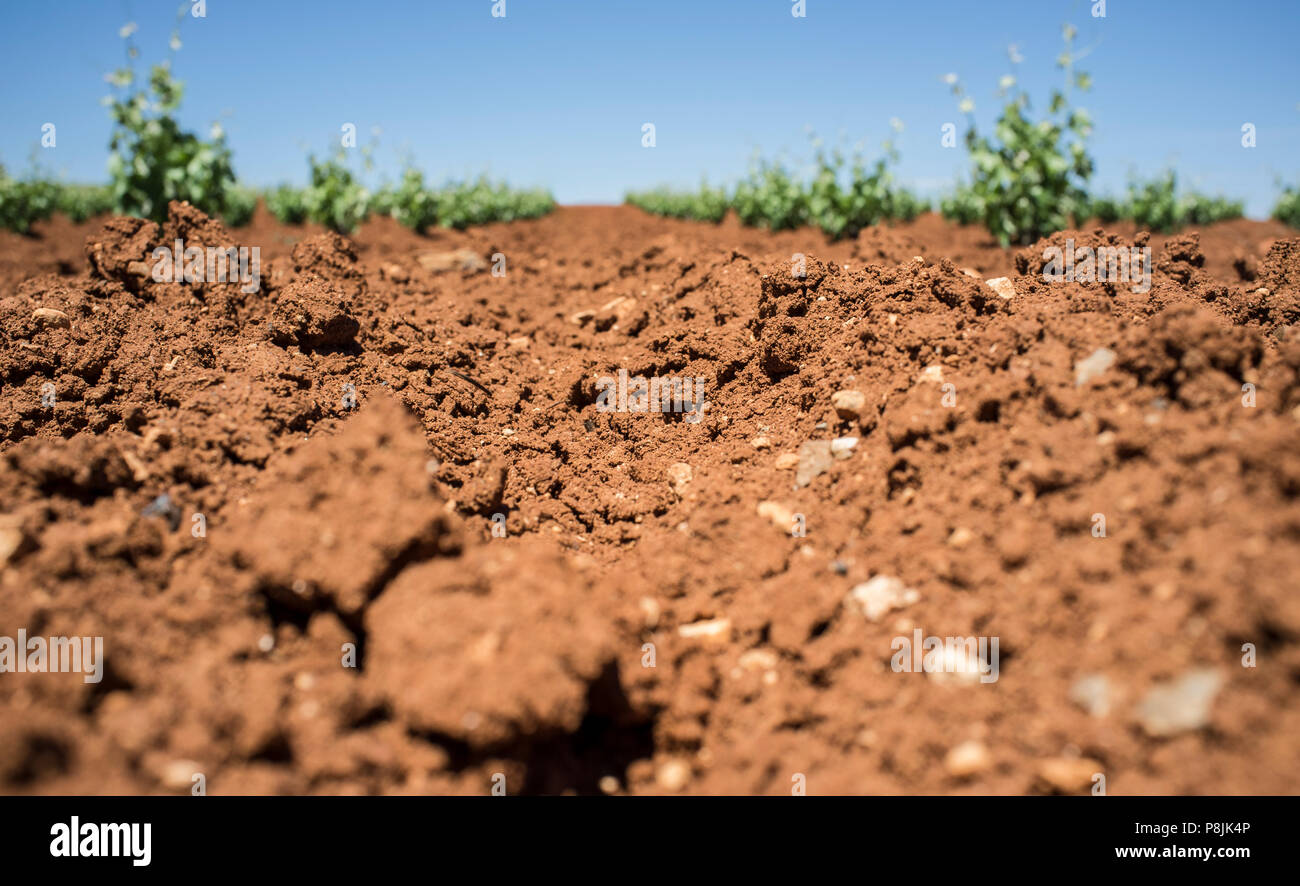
{"points": [[610, 737], [112, 680]]}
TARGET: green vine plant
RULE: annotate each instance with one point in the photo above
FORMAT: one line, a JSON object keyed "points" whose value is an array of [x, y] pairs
{"points": [[152, 160], [1029, 177]]}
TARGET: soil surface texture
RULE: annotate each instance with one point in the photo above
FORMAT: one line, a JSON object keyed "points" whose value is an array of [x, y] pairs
{"points": [[389, 520]]}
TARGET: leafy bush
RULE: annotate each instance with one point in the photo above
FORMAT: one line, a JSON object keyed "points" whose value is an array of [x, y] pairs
{"points": [[1203, 210], [82, 202], [411, 203], [1287, 209], [337, 199], [771, 197], [151, 159], [963, 206], [843, 204], [1156, 205], [1108, 209], [241, 203], [287, 203], [36, 197], [707, 204], [842, 197], [1152, 205], [23, 201], [1028, 180], [334, 197], [460, 204]]}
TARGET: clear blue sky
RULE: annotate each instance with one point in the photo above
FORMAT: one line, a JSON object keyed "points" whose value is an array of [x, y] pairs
{"points": [[555, 93]]}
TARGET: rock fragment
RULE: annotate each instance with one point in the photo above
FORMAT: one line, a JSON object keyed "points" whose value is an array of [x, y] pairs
{"points": [[12, 537], [1093, 694], [932, 374], [880, 595], [815, 459], [780, 516], [961, 537], [714, 628], [1002, 286], [49, 317], [848, 405], [679, 475], [673, 774], [1182, 705], [967, 759], [1068, 774], [164, 507], [1093, 366], [179, 775], [842, 447], [456, 260]]}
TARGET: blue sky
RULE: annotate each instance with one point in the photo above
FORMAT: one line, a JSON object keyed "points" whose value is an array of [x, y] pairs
{"points": [[555, 93]]}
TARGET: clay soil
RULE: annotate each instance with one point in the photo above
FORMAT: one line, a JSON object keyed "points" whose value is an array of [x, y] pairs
{"points": [[337, 532]]}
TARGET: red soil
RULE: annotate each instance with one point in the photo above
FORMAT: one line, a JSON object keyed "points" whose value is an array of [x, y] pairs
{"points": [[329, 525]]}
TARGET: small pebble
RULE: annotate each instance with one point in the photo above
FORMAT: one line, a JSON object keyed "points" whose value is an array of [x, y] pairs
{"points": [[961, 537], [12, 537], [848, 405], [1093, 366], [179, 774], [815, 459], [1068, 774], [1002, 286], [164, 507], [51, 317], [707, 630], [1092, 693], [780, 516], [967, 759], [842, 447], [649, 612], [932, 374], [673, 774], [758, 660], [1180, 706], [879, 595], [679, 474]]}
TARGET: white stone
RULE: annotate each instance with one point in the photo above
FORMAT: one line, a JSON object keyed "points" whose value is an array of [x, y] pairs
{"points": [[1093, 365], [707, 630], [880, 595], [1180, 706], [842, 447], [1002, 286]]}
